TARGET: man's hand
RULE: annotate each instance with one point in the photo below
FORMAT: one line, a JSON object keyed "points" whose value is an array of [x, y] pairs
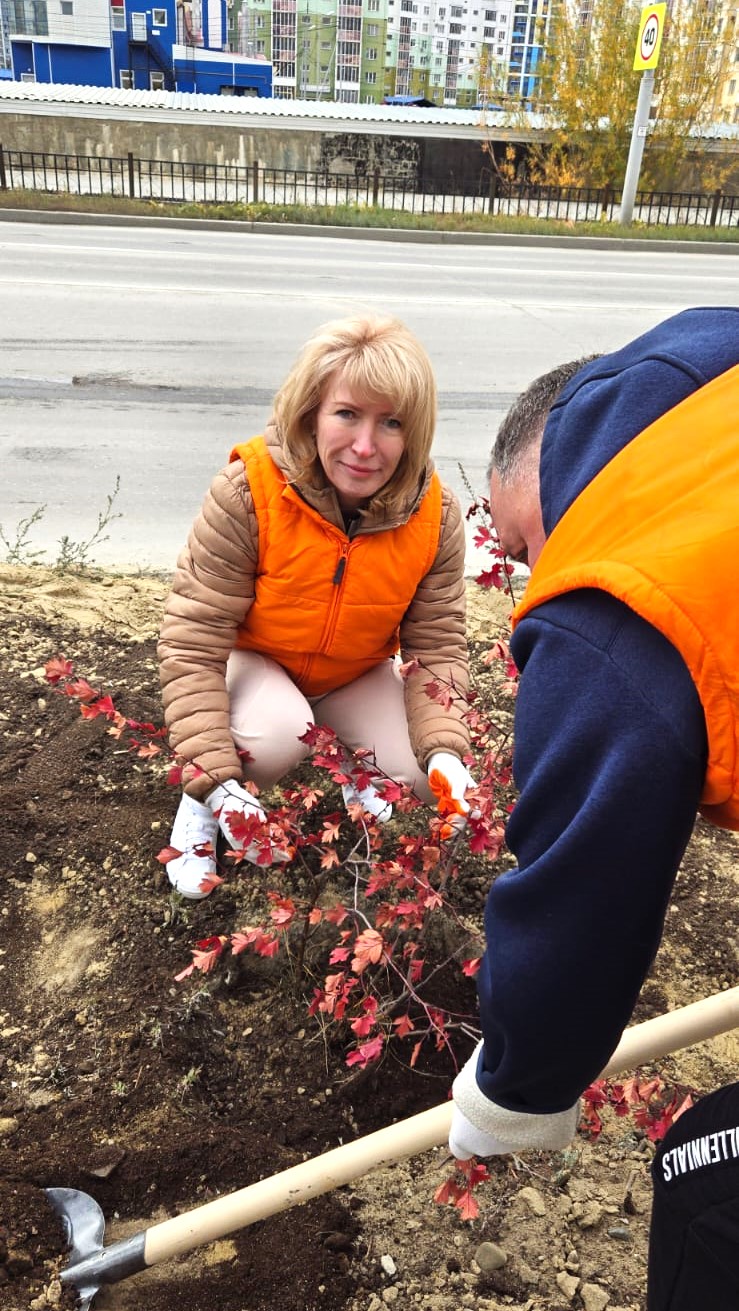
{"points": [[480, 1127], [466, 1141], [449, 780]]}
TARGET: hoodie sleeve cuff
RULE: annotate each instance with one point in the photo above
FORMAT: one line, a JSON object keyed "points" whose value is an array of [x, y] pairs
{"points": [[516, 1131]]}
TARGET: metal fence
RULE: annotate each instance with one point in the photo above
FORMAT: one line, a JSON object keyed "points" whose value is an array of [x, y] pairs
{"points": [[171, 181]]}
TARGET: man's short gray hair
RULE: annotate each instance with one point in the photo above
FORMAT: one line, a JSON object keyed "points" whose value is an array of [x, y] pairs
{"points": [[524, 423]]}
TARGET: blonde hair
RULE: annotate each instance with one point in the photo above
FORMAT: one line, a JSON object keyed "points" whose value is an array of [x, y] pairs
{"points": [[380, 359]]}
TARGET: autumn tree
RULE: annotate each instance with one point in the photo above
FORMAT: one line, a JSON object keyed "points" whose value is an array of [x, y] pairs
{"points": [[588, 91]]}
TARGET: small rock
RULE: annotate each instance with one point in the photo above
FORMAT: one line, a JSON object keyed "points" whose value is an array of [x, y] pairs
{"points": [[527, 1274], [8, 1125], [618, 1232], [389, 1266], [534, 1200], [589, 1215], [30, 858], [489, 1257], [593, 1297], [390, 1295], [567, 1284]]}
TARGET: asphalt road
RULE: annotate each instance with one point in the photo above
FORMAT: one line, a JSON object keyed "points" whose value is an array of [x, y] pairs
{"points": [[143, 354]]}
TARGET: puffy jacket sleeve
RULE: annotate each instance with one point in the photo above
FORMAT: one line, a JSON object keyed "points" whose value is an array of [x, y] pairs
{"points": [[433, 633], [212, 590]]}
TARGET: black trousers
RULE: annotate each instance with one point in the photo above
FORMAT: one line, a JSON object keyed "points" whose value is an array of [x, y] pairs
{"points": [[694, 1236]]}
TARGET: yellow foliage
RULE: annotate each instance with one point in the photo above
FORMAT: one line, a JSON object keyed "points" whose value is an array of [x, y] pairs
{"points": [[588, 92]]}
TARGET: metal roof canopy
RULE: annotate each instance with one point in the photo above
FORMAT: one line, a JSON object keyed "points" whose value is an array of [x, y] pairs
{"points": [[55, 99]]}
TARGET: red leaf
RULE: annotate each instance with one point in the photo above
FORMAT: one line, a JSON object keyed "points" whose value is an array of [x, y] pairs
{"points": [[369, 1051], [467, 1206], [447, 1192], [368, 950], [403, 1026], [57, 669], [81, 690], [166, 854], [471, 967]]}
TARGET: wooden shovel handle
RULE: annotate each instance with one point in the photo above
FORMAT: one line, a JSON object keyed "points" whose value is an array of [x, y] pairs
{"points": [[667, 1033]]}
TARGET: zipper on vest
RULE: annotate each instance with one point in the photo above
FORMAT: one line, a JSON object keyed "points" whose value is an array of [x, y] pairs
{"points": [[341, 566], [335, 604]]}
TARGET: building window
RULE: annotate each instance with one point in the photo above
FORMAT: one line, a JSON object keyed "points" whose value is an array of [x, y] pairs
{"points": [[118, 20], [372, 53], [455, 29], [372, 29], [159, 18], [156, 81], [126, 79], [370, 79], [67, 8]]}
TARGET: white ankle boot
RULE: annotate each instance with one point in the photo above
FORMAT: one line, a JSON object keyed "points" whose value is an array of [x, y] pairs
{"points": [[194, 827]]}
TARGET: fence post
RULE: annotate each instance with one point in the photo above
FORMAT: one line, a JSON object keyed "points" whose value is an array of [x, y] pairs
{"points": [[717, 195], [3, 179], [131, 187], [606, 199], [255, 180], [492, 191], [376, 186]]}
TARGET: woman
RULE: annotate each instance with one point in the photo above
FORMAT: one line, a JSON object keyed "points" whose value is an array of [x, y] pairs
{"points": [[323, 549]]}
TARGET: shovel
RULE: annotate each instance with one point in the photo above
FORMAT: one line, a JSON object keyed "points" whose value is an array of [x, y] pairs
{"points": [[92, 1265]]}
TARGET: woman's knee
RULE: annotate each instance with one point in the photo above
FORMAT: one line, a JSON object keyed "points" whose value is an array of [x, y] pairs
{"points": [[269, 715]]}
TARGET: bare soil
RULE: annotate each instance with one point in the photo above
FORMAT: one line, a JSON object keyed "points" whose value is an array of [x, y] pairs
{"points": [[155, 1096]]}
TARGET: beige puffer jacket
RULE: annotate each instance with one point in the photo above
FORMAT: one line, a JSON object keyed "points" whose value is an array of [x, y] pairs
{"points": [[213, 588]]}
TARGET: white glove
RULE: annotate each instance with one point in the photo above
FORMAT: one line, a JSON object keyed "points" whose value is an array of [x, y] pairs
{"points": [[449, 780], [466, 1141], [230, 799], [483, 1128]]}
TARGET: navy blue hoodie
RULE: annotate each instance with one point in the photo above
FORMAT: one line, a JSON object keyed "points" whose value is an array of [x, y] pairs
{"points": [[609, 760]]}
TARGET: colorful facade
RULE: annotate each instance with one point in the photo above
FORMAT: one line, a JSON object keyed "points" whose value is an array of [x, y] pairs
{"points": [[177, 45]]}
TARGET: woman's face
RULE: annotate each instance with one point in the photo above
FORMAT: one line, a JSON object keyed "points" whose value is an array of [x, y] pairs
{"points": [[359, 441]]}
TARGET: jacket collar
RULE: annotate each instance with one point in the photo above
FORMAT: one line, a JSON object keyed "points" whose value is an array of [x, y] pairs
{"points": [[323, 498]]}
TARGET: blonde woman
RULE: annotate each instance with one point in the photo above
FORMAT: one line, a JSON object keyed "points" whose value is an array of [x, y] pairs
{"points": [[325, 552]]}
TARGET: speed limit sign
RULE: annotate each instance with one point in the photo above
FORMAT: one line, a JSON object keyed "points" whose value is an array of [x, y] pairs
{"points": [[649, 40]]}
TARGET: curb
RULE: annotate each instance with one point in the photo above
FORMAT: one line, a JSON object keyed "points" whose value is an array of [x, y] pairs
{"points": [[83, 218]]}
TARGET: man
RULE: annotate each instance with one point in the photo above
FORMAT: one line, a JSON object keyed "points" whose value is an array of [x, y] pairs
{"points": [[616, 480]]}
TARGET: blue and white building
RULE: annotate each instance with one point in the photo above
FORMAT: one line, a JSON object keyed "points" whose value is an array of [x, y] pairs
{"points": [[177, 45]]}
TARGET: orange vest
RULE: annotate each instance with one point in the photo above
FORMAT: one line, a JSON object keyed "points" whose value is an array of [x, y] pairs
{"points": [[658, 527], [328, 608]]}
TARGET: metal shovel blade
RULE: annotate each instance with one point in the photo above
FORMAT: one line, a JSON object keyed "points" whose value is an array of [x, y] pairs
{"points": [[84, 1227], [91, 1264]]}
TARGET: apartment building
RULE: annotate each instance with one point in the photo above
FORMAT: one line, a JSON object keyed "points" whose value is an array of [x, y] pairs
{"points": [[727, 101], [364, 50], [320, 49]]}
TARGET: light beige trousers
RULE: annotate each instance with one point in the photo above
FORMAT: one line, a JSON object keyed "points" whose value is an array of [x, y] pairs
{"points": [[269, 714]]}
